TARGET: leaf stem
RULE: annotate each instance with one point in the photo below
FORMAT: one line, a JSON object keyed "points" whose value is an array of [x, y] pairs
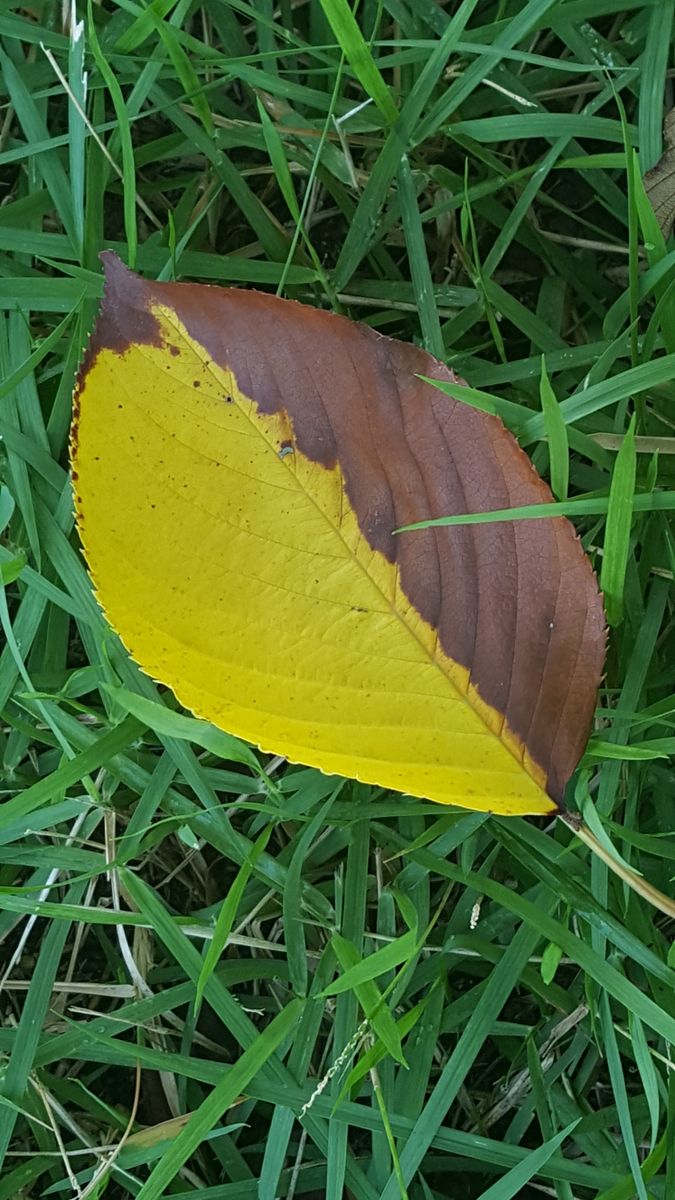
{"points": [[631, 878]]}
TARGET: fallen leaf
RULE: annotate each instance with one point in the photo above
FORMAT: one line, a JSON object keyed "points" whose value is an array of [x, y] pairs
{"points": [[240, 463]]}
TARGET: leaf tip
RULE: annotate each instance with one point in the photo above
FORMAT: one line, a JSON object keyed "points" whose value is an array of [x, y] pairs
{"points": [[125, 316], [114, 270]]}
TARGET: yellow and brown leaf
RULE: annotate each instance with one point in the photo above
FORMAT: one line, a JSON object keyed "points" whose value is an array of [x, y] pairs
{"points": [[240, 464]]}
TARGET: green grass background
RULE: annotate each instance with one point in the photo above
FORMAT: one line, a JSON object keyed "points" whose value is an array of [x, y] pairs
{"points": [[327, 990]]}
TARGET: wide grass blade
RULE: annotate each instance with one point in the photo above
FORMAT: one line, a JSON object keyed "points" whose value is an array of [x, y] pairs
{"points": [[359, 56]]}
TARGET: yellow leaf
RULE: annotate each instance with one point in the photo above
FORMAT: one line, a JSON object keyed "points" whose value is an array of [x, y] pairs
{"points": [[240, 463]]}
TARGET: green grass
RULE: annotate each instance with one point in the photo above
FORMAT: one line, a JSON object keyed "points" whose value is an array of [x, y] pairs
{"points": [[325, 989]]}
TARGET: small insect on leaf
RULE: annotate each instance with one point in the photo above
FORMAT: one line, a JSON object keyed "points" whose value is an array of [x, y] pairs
{"points": [[240, 537]]}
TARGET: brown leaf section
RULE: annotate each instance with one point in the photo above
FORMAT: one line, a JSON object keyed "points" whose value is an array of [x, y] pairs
{"points": [[515, 603], [660, 181]]}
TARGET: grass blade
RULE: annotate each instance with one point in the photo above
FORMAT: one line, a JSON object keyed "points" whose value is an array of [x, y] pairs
{"points": [[224, 1094], [359, 56], [556, 431], [618, 528]]}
